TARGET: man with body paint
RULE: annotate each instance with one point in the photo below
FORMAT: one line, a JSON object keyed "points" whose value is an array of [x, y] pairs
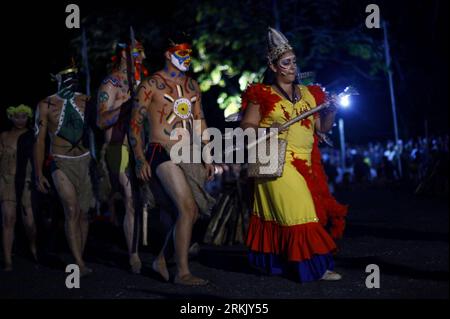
{"points": [[170, 100], [113, 116], [62, 115]]}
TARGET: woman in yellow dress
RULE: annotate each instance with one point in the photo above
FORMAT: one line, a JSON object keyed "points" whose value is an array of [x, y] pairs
{"points": [[287, 234]]}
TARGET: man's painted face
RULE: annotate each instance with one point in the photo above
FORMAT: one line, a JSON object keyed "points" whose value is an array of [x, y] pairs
{"points": [[181, 56], [139, 53]]}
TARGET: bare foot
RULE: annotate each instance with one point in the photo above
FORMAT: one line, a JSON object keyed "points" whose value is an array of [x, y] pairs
{"points": [[160, 267], [135, 264], [190, 280]]}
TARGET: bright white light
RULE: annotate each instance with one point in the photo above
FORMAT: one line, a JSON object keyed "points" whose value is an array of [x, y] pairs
{"points": [[344, 101]]}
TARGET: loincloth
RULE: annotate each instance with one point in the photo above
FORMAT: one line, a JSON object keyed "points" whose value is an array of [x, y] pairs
{"points": [[195, 174], [77, 170]]}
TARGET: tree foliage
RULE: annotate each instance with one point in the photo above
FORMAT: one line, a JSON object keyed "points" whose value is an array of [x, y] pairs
{"points": [[229, 39]]}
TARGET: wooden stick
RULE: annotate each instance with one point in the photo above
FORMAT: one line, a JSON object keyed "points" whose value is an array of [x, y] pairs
{"points": [[144, 225], [289, 123]]}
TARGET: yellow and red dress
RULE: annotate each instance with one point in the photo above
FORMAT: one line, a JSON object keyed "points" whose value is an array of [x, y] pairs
{"points": [[287, 232]]}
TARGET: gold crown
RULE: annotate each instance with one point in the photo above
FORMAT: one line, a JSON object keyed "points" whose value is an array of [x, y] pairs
{"points": [[277, 44]]}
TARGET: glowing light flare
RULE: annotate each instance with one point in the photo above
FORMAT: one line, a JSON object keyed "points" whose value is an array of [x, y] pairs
{"points": [[344, 101]]}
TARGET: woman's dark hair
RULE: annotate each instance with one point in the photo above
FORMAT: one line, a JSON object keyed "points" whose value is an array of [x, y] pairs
{"points": [[268, 77]]}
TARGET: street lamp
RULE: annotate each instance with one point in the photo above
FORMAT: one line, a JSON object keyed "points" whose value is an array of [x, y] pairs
{"points": [[342, 140], [391, 90], [344, 101]]}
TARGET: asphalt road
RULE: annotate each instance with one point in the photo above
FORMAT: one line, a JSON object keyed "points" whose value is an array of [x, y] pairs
{"points": [[406, 236]]}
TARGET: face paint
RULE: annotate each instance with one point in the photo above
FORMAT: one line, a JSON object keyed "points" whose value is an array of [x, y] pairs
{"points": [[139, 70], [181, 56], [138, 52], [289, 62]]}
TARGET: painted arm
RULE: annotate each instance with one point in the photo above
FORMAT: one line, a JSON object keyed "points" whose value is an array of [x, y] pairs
{"points": [[138, 117], [107, 114]]}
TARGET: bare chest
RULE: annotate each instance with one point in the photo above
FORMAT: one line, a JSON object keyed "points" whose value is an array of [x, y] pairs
{"points": [[172, 102]]}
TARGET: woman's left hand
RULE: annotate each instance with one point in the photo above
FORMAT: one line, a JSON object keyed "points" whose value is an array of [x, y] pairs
{"points": [[333, 100]]}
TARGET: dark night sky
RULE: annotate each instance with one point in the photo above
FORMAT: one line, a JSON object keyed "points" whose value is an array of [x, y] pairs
{"points": [[34, 35]]}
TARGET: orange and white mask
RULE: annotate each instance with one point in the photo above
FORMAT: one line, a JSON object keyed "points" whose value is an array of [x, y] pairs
{"points": [[180, 56]]}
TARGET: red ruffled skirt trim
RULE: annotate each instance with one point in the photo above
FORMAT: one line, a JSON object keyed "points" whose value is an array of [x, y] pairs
{"points": [[296, 243]]}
